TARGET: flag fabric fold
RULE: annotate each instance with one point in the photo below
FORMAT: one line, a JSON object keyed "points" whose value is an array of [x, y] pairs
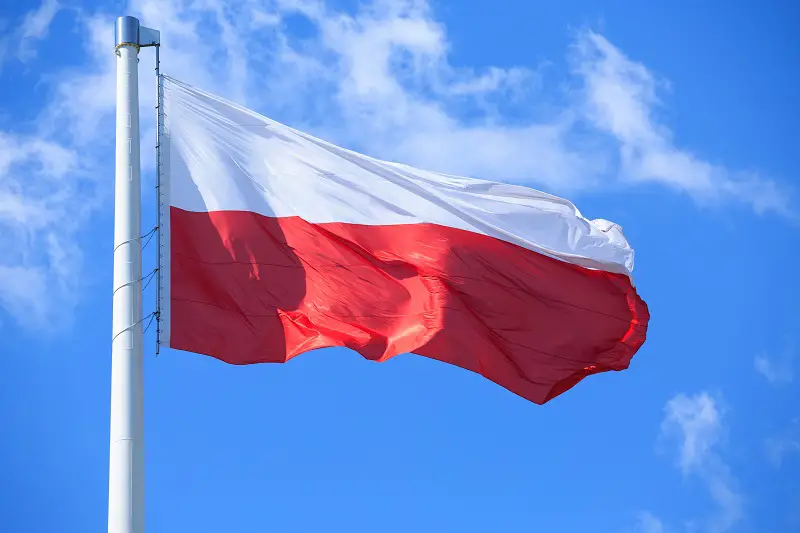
{"points": [[277, 243]]}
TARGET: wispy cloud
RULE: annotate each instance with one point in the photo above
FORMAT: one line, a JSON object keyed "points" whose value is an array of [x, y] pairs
{"points": [[648, 523], [378, 79], [35, 27], [776, 369], [46, 194], [621, 97], [695, 424], [778, 448], [40, 212], [21, 37]]}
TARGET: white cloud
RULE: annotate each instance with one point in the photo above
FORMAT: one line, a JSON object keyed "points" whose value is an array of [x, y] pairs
{"points": [[778, 369], [695, 423], [778, 448], [84, 97], [23, 291], [621, 98], [40, 210], [35, 26], [648, 523], [20, 37], [775, 372], [695, 420], [378, 79]]}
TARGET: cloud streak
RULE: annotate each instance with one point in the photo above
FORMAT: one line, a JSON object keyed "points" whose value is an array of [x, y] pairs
{"points": [[777, 370], [787, 444], [40, 181], [21, 40], [695, 424], [648, 523], [35, 27], [621, 97]]}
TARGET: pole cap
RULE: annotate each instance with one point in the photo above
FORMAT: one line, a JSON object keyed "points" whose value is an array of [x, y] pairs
{"points": [[126, 31]]}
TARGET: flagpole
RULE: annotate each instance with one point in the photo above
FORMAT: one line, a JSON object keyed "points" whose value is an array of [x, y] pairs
{"points": [[126, 447]]}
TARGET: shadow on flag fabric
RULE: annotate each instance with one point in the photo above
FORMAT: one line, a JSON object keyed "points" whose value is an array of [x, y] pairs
{"points": [[277, 243]]}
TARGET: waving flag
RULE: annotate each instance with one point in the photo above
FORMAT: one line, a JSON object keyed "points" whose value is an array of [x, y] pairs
{"points": [[277, 243]]}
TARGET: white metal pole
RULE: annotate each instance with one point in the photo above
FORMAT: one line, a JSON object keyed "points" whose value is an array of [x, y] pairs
{"points": [[126, 461]]}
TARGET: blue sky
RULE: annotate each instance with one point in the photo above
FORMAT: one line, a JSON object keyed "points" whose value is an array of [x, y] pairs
{"points": [[677, 120]]}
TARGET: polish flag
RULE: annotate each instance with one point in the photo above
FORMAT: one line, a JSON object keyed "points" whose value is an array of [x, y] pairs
{"points": [[276, 243]]}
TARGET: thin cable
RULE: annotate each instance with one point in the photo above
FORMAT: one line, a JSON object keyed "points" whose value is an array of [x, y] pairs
{"points": [[152, 316], [149, 237], [147, 277], [149, 280], [131, 326], [148, 234]]}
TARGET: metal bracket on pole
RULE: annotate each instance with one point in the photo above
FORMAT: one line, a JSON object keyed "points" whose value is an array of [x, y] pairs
{"points": [[149, 37]]}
